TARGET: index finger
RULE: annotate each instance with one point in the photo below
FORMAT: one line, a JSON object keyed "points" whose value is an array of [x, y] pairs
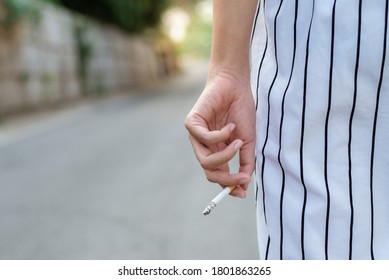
{"points": [[200, 131]]}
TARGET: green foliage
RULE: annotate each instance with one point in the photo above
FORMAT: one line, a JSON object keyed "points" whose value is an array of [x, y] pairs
{"points": [[53, 1], [130, 15], [198, 38], [46, 81], [23, 77], [85, 52], [12, 11]]}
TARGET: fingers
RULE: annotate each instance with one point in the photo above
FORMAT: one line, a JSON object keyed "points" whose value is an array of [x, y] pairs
{"points": [[209, 160], [247, 160], [226, 179], [201, 132], [213, 154], [238, 192]]}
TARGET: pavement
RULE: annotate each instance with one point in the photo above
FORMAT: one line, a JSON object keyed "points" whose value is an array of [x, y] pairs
{"points": [[116, 179]]}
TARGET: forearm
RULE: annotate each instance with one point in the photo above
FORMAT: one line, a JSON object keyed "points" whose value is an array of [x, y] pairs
{"points": [[232, 25]]}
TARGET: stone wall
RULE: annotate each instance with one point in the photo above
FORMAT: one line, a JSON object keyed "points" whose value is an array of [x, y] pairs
{"points": [[40, 62]]}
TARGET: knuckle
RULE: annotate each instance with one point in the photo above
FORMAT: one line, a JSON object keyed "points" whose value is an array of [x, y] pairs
{"points": [[187, 122], [210, 177], [204, 163]]}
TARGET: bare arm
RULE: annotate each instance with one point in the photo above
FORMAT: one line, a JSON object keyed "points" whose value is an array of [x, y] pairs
{"points": [[222, 122], [232, 24]]}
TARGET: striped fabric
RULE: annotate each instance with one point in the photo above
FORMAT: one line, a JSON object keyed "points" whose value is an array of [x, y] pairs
{"points": [[320, 82]]}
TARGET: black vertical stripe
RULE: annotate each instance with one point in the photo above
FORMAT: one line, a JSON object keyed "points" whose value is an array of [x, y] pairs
{"points": [[302, 135], [268, 106], [326, 130], [256, 181], [259, 71], [251, 44], [256, 107], [262, 59], [350, 129], [280, 133], [267, 247], [374, 133]]}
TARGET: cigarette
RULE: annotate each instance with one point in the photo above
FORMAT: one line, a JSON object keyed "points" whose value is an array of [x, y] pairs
{"points": [[217, 199]]}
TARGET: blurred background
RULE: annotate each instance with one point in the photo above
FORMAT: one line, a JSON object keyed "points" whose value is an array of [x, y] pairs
{"points": [[95, 162]]}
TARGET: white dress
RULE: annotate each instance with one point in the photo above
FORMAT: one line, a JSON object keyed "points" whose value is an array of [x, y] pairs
{"points": [[320, 79]]}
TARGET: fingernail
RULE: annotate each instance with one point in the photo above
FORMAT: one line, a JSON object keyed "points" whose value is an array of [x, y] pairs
{"points": [[238, 145]]}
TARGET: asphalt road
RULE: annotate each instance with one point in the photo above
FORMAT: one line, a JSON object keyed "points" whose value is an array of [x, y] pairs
{"points": [[116, 179]]}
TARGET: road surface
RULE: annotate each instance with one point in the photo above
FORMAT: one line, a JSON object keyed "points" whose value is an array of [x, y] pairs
{"points": [[116, 179]]}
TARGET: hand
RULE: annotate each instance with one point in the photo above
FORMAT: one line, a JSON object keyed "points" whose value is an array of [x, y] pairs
{"points": [[221, 123]]}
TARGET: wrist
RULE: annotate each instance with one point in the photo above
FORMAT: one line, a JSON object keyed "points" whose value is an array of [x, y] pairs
{"points": [[235, 74]]}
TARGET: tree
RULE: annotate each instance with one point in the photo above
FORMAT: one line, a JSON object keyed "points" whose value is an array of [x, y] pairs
{"points": [[131, 15]]}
